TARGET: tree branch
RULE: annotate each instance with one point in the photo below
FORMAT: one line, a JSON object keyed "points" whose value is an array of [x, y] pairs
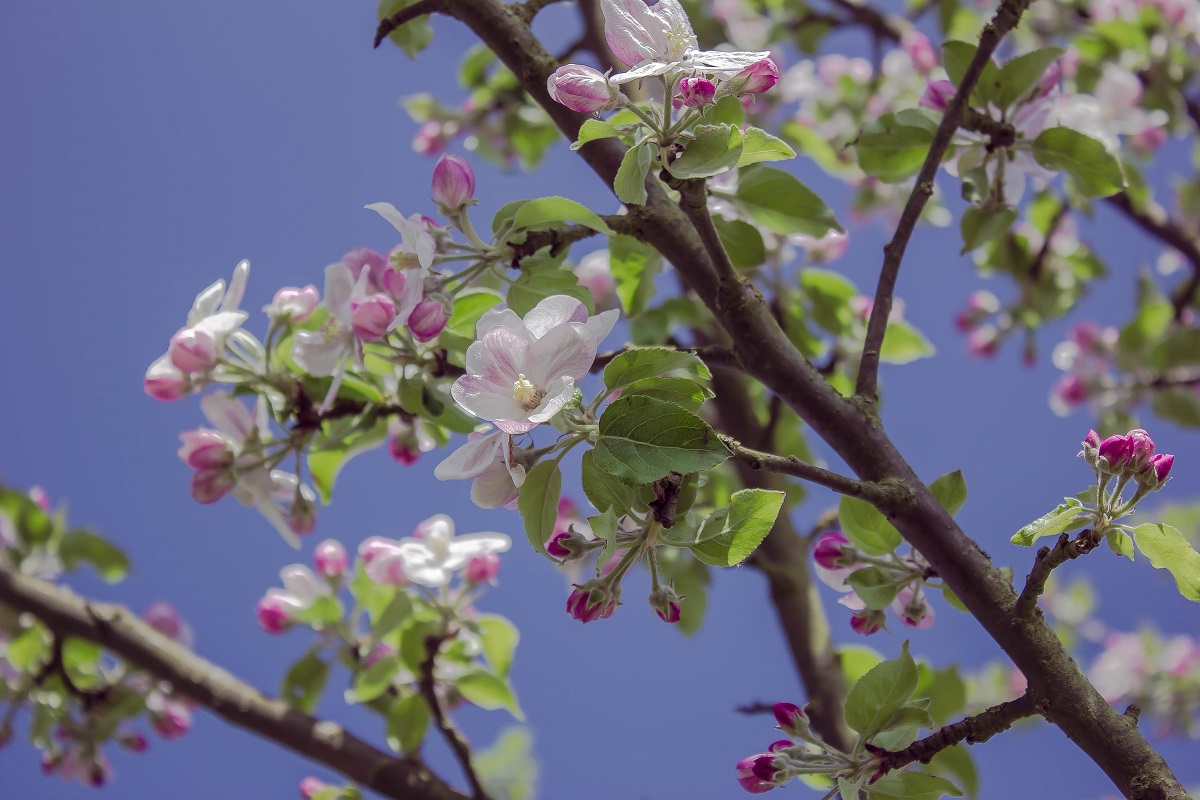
{"points": [[972, 730], [873, 493], [1154, 220], [406, 14], [1136, 769], [1047, 561], [1003, 21], [462, 751], [322, 741]]}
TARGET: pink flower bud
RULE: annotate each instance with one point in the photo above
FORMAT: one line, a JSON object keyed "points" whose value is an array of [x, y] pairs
{"points": [[696, 91], [755, 79], [912, 609], [375, 264], [165, 382], [428, 319], [205, 449], [291, 304], [585, 607], [831, 551], [134, 742], [1148, 140], [430, 140], [867, 621], [919, 49], [1070, 390], [210, 485], [330, 559], [371, 316], [1141, 448], [790, 717], [172, 720], [403, 449], [984, 342], [1160, 464], [748, 773], [38, 495], [666, 604], [557, 546], [1092, 440], [302, 516], [193, 350], [1116, 451], [273, 615], [581, 89], [780, 744], [163, 617], [482, 569], [937, 95], [310, 787], [453, 183]]}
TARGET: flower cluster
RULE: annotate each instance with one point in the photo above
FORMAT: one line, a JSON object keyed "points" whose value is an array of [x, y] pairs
{"points": [[802, 753], [894, 582], [1127, 457]]}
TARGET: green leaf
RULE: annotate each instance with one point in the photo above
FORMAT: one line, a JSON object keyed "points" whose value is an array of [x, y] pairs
{"points": [[950, 491], [742, 242], [758, 145], [535, 285], [324, 610], [604, 526], [1096, 172], [630, 182], [304, 682], [593, 129], [857, 660], [413, 36], [1016, 78], [903, 344], [982, 225], [538, 503], [1180, 406], [866, 527], [547, 212], [29, 648], [956, 56], [634, 266], [408, 719], [489, 692], [1049, 524], [325, 463], [1168, 549], [1120, 542], [893, 147], [605, 491], [33, 525], [716, 149], [811, 143], [780, 203], [680, 391], [642, 439], [469, 306], [84, 546], [651, 362], [879, 694], [875, 588], [946, 692], [373, 681], [913, 786], [1179, 348], [729, 535], [397, 611], [957, 762], [498, 637]]}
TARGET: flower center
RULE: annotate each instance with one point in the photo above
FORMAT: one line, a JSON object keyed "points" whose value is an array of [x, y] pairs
{"points": [[526, 394]]}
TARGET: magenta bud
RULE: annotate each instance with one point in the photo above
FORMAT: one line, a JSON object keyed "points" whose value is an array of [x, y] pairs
{"points": [[557, 547], [173, 720], [782, 744], [205, 449], [273, 615], [833, 550], [404, 450], [431, 139], [428, 319], [302, 516], [1160, 463], [937, 95], [591, 602], [1116, 450], [310, 787], [697, 91], [867, 621], [755, 79], [453, 183], [292, 304], [1092, 439], [748, 776], [1149, 140], [919, 49], [210, 485], [165, 382], [581, 89], [666, 604], [1071, 391], [482, 569], [330, 559], [371, 316], [134, 742], [1141, 448], [163, 617], [790, 717], [193, 350]]}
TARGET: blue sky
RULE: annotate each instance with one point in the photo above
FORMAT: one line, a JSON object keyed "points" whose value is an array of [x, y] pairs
{"points": [[144, 151]]}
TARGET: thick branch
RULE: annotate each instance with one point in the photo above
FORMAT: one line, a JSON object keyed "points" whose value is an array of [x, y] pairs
{"points": [[324, 742], [790, 465], [462, 751], [406, 14], [971, 730], [855, 435], [1154, 220], [1047, 561], [1004, 20]]}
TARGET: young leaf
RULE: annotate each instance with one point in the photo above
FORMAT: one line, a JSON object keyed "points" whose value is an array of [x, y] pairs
{"points": [[373, 681], [634, 266], [107, 559], [546, 212], [866, 527], [780, 203], [913, 786], [1018, 76], [715, 149], [1050, 524], [956, 56], [739, 531], [742, 242], [649, 362], [642, 439], [982, 225], [879, 694], [1096, 172], [593, 129], [604, 490], [630, 181], [408, 720], [950, 491], [498, 637], [538, 503], [873, 587], [1167, 549], [488, 692], [903, 344], [758, 145], [893, 147], [304, 682]]}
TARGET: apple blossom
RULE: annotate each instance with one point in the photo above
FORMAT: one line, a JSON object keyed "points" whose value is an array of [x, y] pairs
{"points": [[756, 78], [919, 49], [292, 304], [277, 608], [431, 559], [489, 460], [937, 95], [580, 88], [482, 569], [912, 609], [521, 372], [867, 621], [666, 604], [371, 315], [311, 786], [595, 274], [330, 559], [696, 91], [1112, 111]]}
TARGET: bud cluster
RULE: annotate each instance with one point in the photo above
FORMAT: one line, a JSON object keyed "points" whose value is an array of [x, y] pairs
{"points": [[903, 580]]}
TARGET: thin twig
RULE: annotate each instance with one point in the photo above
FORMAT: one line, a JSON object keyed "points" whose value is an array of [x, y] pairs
{"points": [[322, 741], [529, 9], [753, 709], [1005, 19], [406, 14], [693, 199], [1064, 550], [972, 730], [873, 493], [1154, 220], [462, 750]]}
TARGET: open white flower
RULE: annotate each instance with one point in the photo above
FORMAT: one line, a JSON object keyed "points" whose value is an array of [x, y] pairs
{"points": [[301, 588], [488, 459], [1113, 111], [431, 557]]}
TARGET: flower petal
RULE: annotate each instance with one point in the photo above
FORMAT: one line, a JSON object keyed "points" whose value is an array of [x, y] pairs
{"points": [[568, 350], [554, 311], [228, 415], [472, 459]]}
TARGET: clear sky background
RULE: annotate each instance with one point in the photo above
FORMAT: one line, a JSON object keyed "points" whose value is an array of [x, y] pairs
{"points": [[146, 147]]}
